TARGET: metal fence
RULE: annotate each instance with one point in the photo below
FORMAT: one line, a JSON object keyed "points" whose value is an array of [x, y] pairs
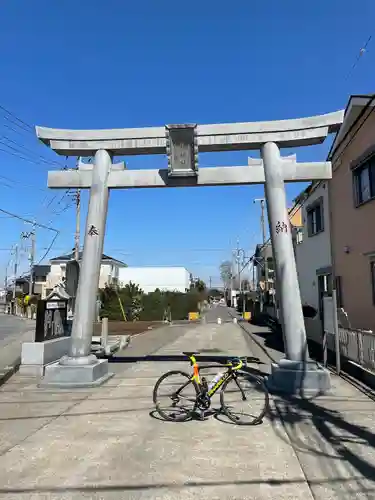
{"points": [[348, 343], [357, 346], [353, 344]]}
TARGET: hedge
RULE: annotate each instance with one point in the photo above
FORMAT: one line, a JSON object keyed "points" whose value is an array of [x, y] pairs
{"points": [[154, 306]]}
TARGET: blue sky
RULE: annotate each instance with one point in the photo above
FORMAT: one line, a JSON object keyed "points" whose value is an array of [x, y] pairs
{"points": [[94, 64]]}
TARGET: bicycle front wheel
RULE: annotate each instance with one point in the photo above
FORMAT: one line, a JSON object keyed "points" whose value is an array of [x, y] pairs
{"points": [[175, 396], [244, 399]]}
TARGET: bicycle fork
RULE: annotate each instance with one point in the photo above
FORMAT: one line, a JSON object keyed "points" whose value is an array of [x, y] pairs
{"points": [[240, 388]]}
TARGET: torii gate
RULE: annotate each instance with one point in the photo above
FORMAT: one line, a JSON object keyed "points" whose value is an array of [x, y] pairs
{"points": [[181, 144]]}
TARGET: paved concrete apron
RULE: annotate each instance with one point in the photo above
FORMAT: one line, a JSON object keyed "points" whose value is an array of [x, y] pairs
{"points": [[104, 444]]}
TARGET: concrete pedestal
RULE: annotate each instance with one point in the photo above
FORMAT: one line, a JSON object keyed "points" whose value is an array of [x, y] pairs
{"points": [[297, 378], [75, 373], [36, 355]]}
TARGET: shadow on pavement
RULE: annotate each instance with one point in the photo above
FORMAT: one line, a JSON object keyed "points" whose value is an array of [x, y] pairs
{"points": [[99, 488], [74, 414], [298, 414], [194, 417], [220, 359], [221, 417]]}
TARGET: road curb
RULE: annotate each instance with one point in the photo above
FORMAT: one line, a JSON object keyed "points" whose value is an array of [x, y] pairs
{"points": [[10, 350], [8, 372]]}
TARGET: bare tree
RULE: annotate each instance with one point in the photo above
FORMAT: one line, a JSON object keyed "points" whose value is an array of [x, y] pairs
{"points": [[226, 273]]}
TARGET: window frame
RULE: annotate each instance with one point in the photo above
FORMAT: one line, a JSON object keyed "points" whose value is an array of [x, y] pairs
{"points": [[314, 207], [368, 163]]}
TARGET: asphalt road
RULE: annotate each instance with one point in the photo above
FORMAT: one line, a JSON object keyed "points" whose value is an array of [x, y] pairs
{"points": [[10, 325]]}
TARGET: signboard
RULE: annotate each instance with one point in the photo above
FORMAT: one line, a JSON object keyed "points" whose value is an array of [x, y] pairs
{"points": [[328, 314], [51, 319], [55, 305], [182, 150]]}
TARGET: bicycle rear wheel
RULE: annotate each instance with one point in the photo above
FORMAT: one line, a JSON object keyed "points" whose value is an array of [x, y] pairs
{"points": [[247, 391], [175, 396]]}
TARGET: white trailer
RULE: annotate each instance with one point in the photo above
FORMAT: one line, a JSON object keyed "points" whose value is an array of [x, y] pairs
{"points": [[150, 278]]}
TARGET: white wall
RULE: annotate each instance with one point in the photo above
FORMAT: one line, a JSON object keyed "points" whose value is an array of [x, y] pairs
{"points": [[105, 275], [313, 252], [150, 278], [57, 272]]}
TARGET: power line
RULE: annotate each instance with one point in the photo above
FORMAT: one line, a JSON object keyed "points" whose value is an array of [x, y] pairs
{"points": [[42, 157], [22, 184], [22, 126], [19, 156], [27, 125], [29, 221], [48, 249], [24, 155], [361, 52]]}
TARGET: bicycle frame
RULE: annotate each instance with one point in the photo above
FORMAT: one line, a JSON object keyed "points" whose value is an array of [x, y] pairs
{"points": [[220, 382]]}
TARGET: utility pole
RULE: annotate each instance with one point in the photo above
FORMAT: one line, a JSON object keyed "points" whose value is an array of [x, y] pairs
{"points": [[7, 269], [26, 236], [238, 266], [210, 281], [15, 270], [263, 226], [32, 259], [232, 279], [253, 284]]}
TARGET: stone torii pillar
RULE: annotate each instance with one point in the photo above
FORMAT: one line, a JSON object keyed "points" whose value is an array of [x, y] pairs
{"points": [[181, 144], [80, 367], [296, 372]]}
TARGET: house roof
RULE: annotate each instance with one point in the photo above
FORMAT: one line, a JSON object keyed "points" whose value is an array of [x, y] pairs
{"points": [[70, 256], [355, 109], [357, 104]]}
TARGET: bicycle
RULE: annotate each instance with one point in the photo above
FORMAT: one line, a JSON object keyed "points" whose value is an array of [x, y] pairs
{"points": [[204, 391]]}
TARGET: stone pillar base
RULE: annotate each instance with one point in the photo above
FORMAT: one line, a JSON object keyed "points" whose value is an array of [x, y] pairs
{"points": [[70, 376], [297, 378]]}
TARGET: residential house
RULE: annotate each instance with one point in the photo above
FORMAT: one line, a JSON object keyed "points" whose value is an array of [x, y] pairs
{"points": [[21, 286], [109, 271], [352, 204], [40, 273], [313, 253], [264, 262]]}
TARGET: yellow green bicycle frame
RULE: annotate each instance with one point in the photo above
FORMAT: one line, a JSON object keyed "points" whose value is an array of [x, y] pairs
{"points": [[219, 383]]}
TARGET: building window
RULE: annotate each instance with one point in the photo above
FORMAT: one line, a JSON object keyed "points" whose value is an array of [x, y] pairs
{"points": [[315, 219], [364, 182]]}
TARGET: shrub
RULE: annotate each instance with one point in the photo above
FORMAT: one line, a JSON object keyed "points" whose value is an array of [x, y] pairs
{"points": [[154, 306]]}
